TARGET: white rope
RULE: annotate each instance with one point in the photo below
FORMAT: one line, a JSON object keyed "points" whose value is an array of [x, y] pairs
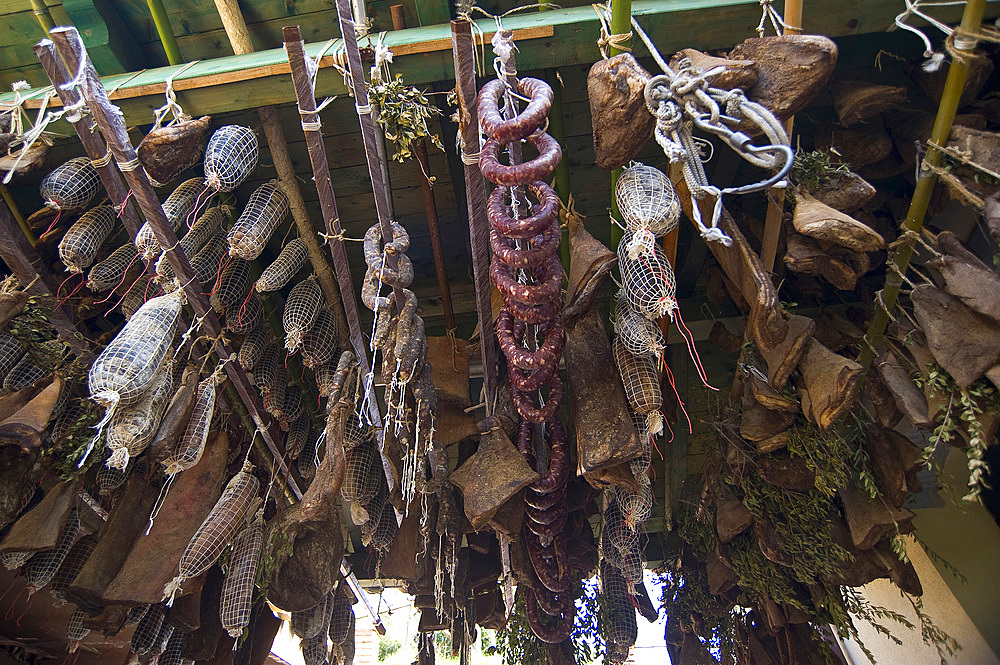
{"points": [[42, 122], [172, 106]]}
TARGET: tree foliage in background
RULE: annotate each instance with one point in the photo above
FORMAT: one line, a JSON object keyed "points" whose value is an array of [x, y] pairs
{"points": [[386, 648]]}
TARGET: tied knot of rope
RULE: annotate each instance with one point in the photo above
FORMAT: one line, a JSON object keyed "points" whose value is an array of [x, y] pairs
{"points": [[172, 107], [103, 161], [130, 165], [619, 41]]}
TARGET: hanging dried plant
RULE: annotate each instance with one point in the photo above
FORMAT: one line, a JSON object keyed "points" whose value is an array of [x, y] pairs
{"points": [[403, 113]]}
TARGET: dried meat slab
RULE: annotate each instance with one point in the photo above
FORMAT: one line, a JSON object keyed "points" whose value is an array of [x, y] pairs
{"points": [[153, 561]]}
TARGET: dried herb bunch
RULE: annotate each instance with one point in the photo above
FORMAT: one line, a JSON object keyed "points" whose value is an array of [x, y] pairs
{"points": [[403, 112], [755, 559], [814, 167]]}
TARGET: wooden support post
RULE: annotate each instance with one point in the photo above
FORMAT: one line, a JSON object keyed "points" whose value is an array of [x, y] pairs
{"points": [[25, 263], [18, 217], [369, 134], [295, 48], [958, 70], [92, 141], [112, 126], [776, 195], [464, 53], [430, 206], [239, 37]]}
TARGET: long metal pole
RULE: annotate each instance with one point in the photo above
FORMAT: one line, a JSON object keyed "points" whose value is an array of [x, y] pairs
{"points": [[464, 53], [295, 50], [112, 126], [958, 71]]}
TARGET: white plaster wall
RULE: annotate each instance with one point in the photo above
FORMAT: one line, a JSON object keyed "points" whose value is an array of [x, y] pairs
{"points": [[939, 603]]}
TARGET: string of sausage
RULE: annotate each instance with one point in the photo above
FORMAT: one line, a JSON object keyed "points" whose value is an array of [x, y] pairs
{"points": [[527, 272]]}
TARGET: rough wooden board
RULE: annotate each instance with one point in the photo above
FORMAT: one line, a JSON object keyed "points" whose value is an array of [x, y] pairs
{"points": [[39, 528], [400, 562], [125, 523], [605, 435], [153, 561], [821, 222], [964, 342], [200, 645], [488, 479]]}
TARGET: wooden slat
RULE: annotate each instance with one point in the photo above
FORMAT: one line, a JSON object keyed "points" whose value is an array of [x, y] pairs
{"points": [[545, 39]]}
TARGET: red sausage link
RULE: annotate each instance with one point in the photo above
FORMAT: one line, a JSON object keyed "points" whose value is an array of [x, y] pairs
{"points": [[530, 119], [544, 213], [555, 634], [548, 278], [543, 246], [539, 168]]}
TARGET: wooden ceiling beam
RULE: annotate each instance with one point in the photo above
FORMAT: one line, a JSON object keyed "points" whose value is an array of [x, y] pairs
{"points": [[554, 38]]}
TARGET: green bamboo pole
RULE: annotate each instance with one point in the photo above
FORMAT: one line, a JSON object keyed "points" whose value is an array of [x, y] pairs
{"points": [[621, 24], [957, 72], [21, 221], [164, 30], [41, 12]]}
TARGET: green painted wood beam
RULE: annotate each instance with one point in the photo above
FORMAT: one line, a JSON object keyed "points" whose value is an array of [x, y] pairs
{"points": [[262, 78], [109, 42]]}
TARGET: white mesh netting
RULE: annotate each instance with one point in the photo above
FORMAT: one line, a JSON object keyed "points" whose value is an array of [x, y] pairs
{"points": [[178, 205], [132, 427], [135, 614], [306, 461], [11, 352], [163, 639], [42, 567], [195, 239], [265, 210], [647, 200], [232, 286], [110, 479], [14, 560], [75, 630], [386, 530], [218, 529], [231, 155], [343, 614], [252, 348], [127, 366], [314, 621], [619, 623], [237, 589], [298, 432], [301, 311], [22, 375], [325, 374], [174, 653], [78, 247], [274, 392], [72, 565], [642, 384], [356, 431], [71, 185], [205, 263], [241, 320], [639, 335], [192, 442], [263, 375], [290, 260], [110, 272], [146, 633], [635, 507], [361, 479], [136, 296], [648, 281], [320, 342], [292, 407], [314, 650], [640, 465]]}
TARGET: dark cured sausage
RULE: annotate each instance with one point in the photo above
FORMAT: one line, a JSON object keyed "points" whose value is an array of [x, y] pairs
{"points": [[543, 214], [530, 119], [539, 168]]}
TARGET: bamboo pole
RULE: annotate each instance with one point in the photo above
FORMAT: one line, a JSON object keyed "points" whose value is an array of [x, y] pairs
{"points": [[621, 24], [295, 49], [18, 217], [41, 12], [112, 126], [166, 33], [239, 38], [464, 54], [958, 71], [430, 207], [776, 195]]}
